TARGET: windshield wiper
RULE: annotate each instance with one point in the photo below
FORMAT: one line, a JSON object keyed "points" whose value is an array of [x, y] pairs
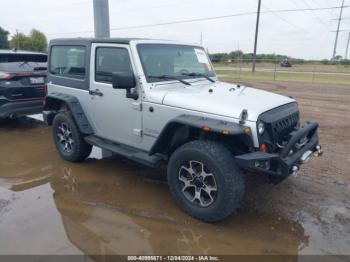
{"points": [[199, 74], [170, 77]]}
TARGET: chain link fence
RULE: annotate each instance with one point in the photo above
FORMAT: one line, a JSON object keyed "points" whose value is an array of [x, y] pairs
{"points": [[322, 72]]}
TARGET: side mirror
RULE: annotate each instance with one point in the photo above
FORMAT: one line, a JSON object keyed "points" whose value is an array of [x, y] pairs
{"points": [[123, 80]]}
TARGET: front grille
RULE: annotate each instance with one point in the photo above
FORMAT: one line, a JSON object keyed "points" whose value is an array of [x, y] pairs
{"points": [[279, 122], [285, 125]]}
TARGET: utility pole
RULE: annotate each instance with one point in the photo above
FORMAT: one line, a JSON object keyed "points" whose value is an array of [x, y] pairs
{"points": [[337, 33], [201, 39], [101, 18], [347, 47], [256, 35]]}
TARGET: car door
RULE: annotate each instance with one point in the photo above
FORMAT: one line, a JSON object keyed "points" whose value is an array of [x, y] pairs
{"points": [[116, 117]]}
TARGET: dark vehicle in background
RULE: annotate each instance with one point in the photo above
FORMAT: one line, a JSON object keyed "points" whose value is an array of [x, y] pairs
{"points": [[286, 63], [22, 82]]}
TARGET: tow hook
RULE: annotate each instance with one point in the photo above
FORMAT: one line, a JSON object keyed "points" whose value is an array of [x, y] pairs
{"points": [[318, 151], [295, 170]]}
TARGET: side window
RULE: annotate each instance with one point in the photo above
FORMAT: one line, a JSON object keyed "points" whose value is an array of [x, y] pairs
{"points": [[110, 60], [68, 61]]}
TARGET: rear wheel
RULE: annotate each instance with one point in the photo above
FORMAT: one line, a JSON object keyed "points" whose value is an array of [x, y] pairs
{"points": [[205, 181], [69, 141]]}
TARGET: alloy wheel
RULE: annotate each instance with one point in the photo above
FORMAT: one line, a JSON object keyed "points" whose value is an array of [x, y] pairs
{"points": [[65, 138], [198, 183]]}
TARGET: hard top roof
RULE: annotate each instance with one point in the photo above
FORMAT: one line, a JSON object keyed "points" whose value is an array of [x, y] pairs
{"points": [[12, 51], [94, 40], [89, 41]]}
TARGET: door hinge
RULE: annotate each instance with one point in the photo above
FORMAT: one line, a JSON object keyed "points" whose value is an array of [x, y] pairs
{"points": [[137, 132], [137, 106]]}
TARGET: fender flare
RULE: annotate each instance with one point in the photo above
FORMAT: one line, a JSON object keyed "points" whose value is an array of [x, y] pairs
{"points": [[210, 124], [53, 103]]}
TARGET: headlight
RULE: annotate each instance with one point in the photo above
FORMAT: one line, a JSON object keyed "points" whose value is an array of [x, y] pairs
{"points": [[261, 128]]}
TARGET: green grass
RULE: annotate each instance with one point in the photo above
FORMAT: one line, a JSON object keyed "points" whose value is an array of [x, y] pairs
{"points": [[289, 77]]}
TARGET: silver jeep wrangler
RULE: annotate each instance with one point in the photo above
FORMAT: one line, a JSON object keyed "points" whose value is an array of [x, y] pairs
{"points": [[160, 102]]}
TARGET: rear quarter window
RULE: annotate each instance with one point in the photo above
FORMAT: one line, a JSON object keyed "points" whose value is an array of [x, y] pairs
{"points": [[22, 58], [68, 61], [17, 62]]}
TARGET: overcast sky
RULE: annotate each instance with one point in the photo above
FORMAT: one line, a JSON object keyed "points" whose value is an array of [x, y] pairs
{"points": [[302, 34]]}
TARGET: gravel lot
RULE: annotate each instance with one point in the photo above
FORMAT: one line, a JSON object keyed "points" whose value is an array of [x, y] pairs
{"points": [[114, 206]]}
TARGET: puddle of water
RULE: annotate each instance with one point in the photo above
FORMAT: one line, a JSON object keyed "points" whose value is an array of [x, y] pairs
{"points": [[113, 206], [30, 224], [111, 213]]}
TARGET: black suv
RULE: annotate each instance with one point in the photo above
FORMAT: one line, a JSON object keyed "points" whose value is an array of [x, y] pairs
{"points": [[22, 82]]}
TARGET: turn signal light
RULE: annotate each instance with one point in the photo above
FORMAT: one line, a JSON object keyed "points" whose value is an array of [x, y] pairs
{"points": [[263, 148], [226, 132], [206, 129]]}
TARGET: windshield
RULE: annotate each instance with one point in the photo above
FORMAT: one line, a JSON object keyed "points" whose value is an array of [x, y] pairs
{"points": [[159, 60]]}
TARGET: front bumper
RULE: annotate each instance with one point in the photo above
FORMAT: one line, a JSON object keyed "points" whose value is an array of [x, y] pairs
{"points": [[289, 158], [21, 108]]}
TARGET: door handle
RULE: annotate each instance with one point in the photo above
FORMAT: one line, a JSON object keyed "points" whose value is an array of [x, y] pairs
{"points": [[95, 92]]}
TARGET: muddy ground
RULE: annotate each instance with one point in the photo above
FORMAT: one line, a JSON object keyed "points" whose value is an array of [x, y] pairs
{"points": [[114, 206]]}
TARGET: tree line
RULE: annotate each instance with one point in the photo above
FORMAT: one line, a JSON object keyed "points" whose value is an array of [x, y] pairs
{"points": [[240, 57], [35, 41]]}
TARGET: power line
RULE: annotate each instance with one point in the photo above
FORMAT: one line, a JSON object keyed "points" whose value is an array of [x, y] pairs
{"points": [[312, 14], [283, 19], [72, 4], [316, 3], [340, 30], [209, 18], [315, 16], [152, 7], [330, 4]]}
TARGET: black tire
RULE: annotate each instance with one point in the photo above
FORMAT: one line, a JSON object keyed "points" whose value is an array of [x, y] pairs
{"points": [[79, 149], [228, 178]]}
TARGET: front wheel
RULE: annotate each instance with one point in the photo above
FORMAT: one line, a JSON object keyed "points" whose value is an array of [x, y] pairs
{"points": [[69, 141], [205, 180]]}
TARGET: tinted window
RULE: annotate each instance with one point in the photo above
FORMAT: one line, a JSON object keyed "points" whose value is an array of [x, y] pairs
{"points": [[22, 62], [68, 61], [109, 60], [22, 58]]}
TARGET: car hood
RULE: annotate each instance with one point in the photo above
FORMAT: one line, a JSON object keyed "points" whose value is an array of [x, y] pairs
{"points": [[222, 99]]}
